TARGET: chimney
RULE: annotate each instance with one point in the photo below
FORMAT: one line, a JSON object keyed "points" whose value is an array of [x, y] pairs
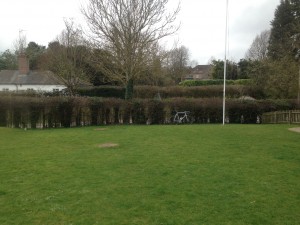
{"points": [[23, 64]]}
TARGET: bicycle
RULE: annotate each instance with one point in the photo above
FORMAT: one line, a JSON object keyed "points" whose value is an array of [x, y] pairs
{"points": [[182, 117]]}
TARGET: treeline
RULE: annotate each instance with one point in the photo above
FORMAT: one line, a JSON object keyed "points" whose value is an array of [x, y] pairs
{"points": [[79, 65], [273, 59], [49, 112]]}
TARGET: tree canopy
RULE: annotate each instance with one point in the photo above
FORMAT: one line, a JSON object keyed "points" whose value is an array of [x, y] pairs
{"points": [[8, 61], [285, 26], [34, 53], [67, 55], [259, 47], [128, 30], [277, 71], [218, 69]]}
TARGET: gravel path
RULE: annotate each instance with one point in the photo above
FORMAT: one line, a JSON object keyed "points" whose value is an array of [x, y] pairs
{"points": [[295, 129]]}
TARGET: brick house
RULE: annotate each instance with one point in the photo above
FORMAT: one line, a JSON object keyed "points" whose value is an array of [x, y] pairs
{"points": [[200, 72]]}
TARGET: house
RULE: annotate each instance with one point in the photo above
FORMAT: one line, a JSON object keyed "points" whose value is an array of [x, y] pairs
{"points": [[200, 72], [24, 79]]}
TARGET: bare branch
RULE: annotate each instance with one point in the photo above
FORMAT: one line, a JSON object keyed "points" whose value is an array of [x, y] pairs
{"points": [[259, 47], [127, 30], [67, 55]]}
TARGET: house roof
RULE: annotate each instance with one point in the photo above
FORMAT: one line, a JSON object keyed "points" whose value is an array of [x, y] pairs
{"points": [[32, 78], [201, 68]]}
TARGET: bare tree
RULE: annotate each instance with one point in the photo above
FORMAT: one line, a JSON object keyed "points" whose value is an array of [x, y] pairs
{"points": [[127, 30], [156, 73], [66, 56], [178, 62], [20, 43], [259, 47]]}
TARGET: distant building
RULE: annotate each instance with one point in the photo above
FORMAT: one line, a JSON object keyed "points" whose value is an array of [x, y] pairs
{"points": [[24, 79], [200, 72]]}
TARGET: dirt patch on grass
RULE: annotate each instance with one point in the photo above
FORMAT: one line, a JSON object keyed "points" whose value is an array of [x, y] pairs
{"points": [[295, 129], [100, 129], [108, 145]]}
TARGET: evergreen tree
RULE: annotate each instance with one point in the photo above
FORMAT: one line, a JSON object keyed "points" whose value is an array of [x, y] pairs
{"points": [[34, 52], [245, 68], [284, 27], [218, 70], [8, 61]]}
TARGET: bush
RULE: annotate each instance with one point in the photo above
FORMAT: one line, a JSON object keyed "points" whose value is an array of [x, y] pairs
{"points": [[103, 91], [81, 111], [154, 92], [243, 82], [155, 112], [232, 91], [139, 112], [191, 83]]}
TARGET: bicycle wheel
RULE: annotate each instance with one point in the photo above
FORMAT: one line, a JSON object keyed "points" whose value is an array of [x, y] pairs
{"points": [[191, 120], [185, 120]]}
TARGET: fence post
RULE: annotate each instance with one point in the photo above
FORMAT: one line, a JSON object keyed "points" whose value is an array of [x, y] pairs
{"points": [[290, 116]]}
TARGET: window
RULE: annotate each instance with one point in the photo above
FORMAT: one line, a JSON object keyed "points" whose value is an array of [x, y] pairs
{"points": [[5, 89]]}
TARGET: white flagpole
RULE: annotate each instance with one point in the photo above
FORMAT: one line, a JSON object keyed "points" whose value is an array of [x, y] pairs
{"points": [[225, 63]]}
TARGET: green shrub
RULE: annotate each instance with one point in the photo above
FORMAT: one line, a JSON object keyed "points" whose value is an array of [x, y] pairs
{"points": [[65, 108], [95, 108], [232, 91], [243, 111], [243, 82], [191, 83], [154, 92], [139, 112], [103, 91], [155, 112]]}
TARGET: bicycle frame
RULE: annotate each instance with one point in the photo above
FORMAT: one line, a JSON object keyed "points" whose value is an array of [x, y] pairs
{"points": [[181, 116]]}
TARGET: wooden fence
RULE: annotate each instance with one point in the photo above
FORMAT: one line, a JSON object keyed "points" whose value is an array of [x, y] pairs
{"points": [[290, 117]]}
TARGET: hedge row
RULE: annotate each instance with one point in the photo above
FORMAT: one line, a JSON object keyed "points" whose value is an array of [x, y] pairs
{"points": [[103, 91], [232, 91], [47, 112], [191, 83]]}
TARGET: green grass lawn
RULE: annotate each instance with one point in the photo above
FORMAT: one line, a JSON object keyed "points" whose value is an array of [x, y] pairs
{"points": [[159, 175]]}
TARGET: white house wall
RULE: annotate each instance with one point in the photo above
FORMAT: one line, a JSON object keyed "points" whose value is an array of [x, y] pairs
{"points": [[45, 88]]}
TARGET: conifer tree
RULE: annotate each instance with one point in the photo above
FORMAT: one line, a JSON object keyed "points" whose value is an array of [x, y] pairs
{"points": [[282, 31]]}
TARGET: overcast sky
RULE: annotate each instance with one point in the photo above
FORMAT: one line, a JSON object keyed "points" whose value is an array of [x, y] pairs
{"points": [[202, 24]]}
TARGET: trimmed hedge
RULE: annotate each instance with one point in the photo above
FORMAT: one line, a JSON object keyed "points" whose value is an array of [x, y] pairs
{"points": [[48, 112], [232, 91], [191, 83], [145, 92], [103, 91]]}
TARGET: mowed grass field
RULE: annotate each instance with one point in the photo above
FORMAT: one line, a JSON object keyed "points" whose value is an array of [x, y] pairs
{"points": [[159, 175]]}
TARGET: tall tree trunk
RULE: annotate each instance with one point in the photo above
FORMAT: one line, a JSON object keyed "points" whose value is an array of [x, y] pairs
{"points": [[129, 90]]}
